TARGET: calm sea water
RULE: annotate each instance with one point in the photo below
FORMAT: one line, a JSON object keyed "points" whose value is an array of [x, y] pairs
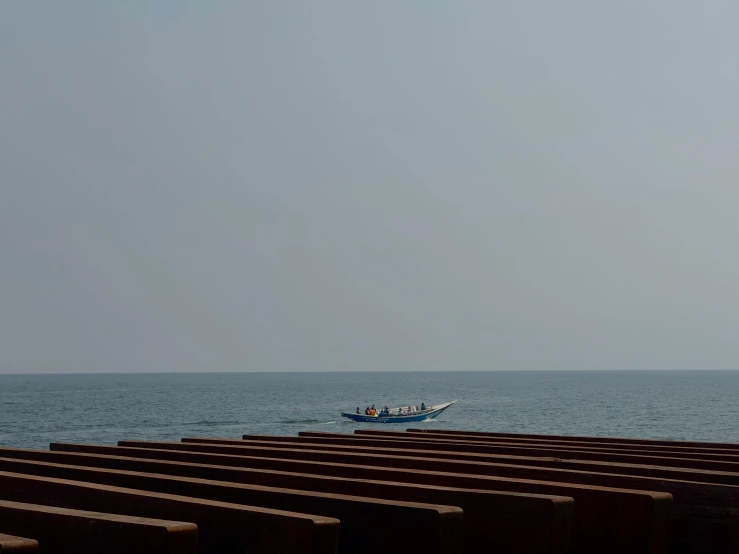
{"points": [[36, 410]]}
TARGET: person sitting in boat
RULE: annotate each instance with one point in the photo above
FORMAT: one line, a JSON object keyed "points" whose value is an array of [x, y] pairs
{"points": [[366, 410], [423, 406], [357, 410]]}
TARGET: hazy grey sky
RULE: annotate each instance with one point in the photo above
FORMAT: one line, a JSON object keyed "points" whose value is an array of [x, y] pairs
{"points": [[390, 185]]}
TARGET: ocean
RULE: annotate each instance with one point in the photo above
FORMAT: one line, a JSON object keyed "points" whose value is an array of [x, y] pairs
{"points": [[104, 408]]}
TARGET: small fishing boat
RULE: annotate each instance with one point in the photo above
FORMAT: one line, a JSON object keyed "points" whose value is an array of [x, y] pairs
{"points": [[400, 415]]}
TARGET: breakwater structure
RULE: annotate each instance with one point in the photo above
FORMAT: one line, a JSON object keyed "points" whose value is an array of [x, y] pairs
{"points": [[379, 492]]}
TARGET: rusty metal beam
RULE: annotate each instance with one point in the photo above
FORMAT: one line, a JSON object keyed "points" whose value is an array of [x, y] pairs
{"points": [[577, 438], [11, 544], [634, 521], [329, 441], [367, 524], [494, 521], [655, 451], [222, 527], [65, 531]]}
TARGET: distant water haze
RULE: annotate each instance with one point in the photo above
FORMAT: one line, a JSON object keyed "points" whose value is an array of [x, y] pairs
{"points": [[352, 186], [103, 409]]}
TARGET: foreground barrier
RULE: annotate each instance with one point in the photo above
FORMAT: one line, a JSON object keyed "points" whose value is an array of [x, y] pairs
{"points": [[666, 446], [337, 469], [368, 524], [569, 438], [662, 472], [594, 448], [62, 531], [493, 521], [704, 514], [611, 520], [222, 527], [376, 491], [332, 441], [17, 545]]}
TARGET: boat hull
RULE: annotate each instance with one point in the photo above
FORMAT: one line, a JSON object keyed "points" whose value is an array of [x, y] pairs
{"points": [[429, 414]]}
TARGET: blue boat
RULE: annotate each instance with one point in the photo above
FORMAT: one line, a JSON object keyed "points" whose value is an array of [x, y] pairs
{"points": [[400, 415]]}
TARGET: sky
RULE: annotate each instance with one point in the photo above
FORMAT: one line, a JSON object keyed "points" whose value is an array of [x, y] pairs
{"points": [[339, 185]]}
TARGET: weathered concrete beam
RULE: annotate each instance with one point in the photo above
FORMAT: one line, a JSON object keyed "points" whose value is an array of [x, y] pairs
{"points": [[222, 527], [65, 531]]}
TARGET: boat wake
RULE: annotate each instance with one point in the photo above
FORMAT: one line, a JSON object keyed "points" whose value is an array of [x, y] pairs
{"points": [[209, 423], [304, 422]]}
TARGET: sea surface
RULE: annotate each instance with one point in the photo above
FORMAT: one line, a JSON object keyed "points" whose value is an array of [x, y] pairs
{"points": [[98, 408]]}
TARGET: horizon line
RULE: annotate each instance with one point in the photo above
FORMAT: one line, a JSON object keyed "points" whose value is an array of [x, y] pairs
{"points": [[198, 372]]}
